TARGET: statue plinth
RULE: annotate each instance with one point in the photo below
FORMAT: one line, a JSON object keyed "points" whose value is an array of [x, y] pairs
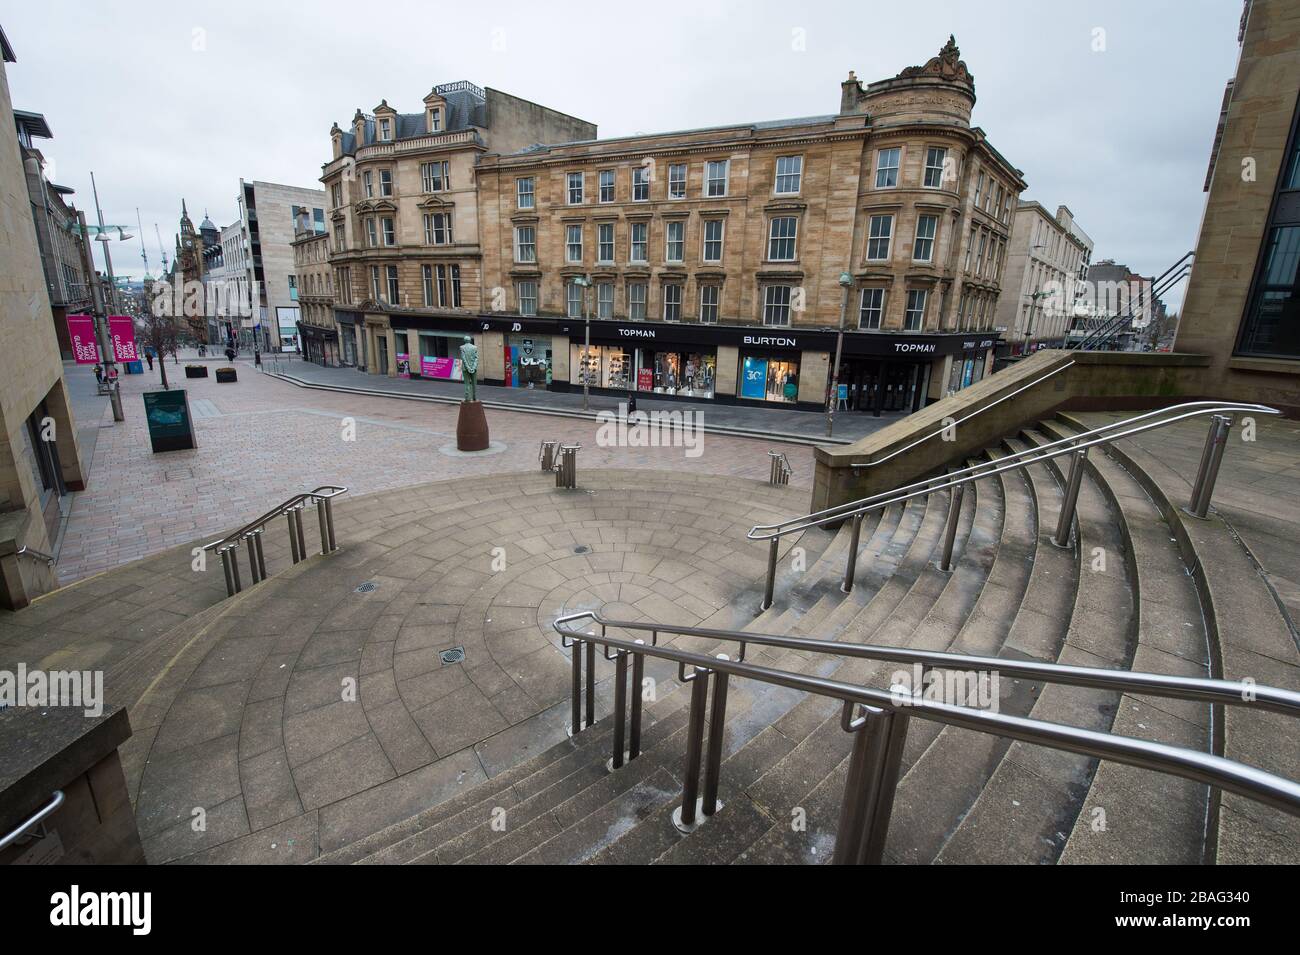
{"points": [[471, 427]]}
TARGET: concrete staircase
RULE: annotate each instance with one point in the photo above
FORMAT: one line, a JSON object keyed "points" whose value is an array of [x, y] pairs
{"points": [[1136, 589]]}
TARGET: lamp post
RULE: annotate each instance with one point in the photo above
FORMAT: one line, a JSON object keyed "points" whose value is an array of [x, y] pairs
{"points": [[100, 316], [1033, 309], [584, 283], [846, 281]]}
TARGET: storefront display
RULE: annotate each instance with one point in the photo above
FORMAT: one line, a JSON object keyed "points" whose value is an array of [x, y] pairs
{"points": [[672, 372], [528, 361], [770, 378], [601, 366]]}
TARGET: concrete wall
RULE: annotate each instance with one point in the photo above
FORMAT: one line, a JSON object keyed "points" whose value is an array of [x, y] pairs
{"points": [[515, 123], [1053, 380], [1236, 214]]}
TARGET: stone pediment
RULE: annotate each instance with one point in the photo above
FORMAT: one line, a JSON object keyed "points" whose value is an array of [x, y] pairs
{"points": [[435, 201], [376, 205]]}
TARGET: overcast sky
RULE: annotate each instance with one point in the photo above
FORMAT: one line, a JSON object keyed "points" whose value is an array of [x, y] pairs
{"points": [[164, 100]]}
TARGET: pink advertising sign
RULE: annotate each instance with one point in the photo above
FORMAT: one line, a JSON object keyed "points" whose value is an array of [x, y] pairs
{"points": [[121, 329], [81, 329], [403, 365], [440, 368]]}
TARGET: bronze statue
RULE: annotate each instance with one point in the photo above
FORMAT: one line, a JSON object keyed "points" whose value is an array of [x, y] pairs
{"points": [[469, 365]]}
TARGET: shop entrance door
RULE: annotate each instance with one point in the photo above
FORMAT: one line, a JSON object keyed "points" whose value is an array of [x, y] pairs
{"points": [[381, 345]]}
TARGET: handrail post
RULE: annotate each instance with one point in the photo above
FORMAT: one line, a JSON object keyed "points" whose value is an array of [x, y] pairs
{"points": [[851, 567], [717, 727], [575, 703], [225, 566], [634, 734], [234, 571], [770, 585], [875, 829], [294, 553], [1216, 440], [261, 556], [591, 682], [324, 529], [684, 818], [853, 809], [329, 522], [620, 707], [1066, 519], [297, 526], [253, 575], [950, 529]]}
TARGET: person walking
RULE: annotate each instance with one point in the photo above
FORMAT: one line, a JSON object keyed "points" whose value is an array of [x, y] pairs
{"points": [[148, 356], [99, 374]]}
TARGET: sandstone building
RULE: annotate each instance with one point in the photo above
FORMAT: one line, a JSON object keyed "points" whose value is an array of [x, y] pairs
{"points": [[714, 263], [1046, 276], [314, 282]]}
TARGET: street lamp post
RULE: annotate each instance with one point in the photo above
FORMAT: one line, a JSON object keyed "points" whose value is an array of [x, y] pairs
{"points": [[846, 280], [584, 283], [100, 316], [1033, 310]]}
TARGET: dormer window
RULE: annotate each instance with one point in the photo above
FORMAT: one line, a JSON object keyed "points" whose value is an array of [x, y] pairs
{"points": [[385, 130], [435, 120]]}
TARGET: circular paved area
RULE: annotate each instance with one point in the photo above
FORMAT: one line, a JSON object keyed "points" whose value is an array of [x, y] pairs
{"points": [[306, 714]]}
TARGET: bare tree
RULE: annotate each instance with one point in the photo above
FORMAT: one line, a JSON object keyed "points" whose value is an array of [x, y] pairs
{"points": [[160, 335]]}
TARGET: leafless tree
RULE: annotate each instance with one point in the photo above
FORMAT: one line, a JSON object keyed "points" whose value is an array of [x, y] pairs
{"points": [[160, 335]]}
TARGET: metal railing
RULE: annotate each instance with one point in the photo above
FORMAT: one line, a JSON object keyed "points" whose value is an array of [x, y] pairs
{"points": [[781, 470], [882, 725], [56, 800], [1075, 445], [34, 554], [251, 534], [947, 429], [1107, 330]]}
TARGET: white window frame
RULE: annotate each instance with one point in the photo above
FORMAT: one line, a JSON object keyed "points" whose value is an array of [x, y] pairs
{"points": [[772, 308], [930, 240], [672, 308], [877, 295], [526, 292], [604, 229], [711, 179], [643, 243], [386, 183], [426, 284], [889, 171], [887, 236], [678, 226], [574, 195], [776, 243], [719, 241], [394, 287], [636, 300], [573, 250], [611, 184], [530, 193], [793, 176], [710, 302], [913, 294], [604, 299], [640, 184], [573, 301], [933, 171], [530, 245], [388, 230], [676, 186]]}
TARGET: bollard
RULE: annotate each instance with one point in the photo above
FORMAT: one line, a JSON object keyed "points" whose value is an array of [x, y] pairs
{"points": [[546, 454], [566, 475]]}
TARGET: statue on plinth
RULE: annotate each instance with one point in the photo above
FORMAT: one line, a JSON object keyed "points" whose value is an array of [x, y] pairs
{"points": [[469, 365]]}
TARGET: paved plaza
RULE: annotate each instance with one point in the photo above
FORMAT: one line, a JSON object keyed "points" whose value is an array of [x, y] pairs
{"points": [[260, 440]]}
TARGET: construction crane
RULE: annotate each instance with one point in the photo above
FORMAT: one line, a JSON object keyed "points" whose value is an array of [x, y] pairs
{"points": [[161, 248], [140, 228]]}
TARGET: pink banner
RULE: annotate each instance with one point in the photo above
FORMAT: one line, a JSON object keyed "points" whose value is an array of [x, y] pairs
{"points": [[121, 329], [81, 329], [440, 368]]}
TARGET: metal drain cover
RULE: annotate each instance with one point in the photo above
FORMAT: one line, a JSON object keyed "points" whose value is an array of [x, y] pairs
{"points": [[369, 587], [582, 549], [454, 655]]}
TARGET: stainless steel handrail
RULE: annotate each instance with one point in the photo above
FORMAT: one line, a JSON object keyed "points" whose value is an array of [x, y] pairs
{"points": [[35, 554], [875, 764], [291, 509], [975, 413], [1226, 692], [36, 819], [1075, 444]]}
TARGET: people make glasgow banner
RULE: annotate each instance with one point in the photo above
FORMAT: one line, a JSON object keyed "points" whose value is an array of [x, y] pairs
{"points": [[81, 331], [121, 329]]}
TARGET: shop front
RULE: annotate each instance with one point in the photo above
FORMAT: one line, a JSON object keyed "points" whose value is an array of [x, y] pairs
{"points": [[320, 345], [672, 370], [527, 361], [349, 348]]}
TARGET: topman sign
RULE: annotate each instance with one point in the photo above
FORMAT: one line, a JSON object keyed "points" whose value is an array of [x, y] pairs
{"points": [[914, 347], [637, 332]]}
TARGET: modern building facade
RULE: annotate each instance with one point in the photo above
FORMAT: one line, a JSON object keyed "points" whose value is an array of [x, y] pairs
{"points": [[39, 458], [56, 230], [713, 263], [313, 281], [268, 214], [1046, 277], [1242, 307], [226, 280]]}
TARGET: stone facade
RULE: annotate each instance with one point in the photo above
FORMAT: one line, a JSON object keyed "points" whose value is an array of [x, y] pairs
{"points": [[1254, 199], [39, 457], [314, 280], [1045, 275]]}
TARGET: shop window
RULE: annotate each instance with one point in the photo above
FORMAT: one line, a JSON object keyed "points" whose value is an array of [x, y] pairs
{"points": [[709, 304], [871, 308], [769, 378], [914, 316], [776, 305], [528, 361]]}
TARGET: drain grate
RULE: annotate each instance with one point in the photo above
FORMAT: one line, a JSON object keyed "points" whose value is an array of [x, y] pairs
{"points": [[454, 655], [582, 549], [369, 587]]}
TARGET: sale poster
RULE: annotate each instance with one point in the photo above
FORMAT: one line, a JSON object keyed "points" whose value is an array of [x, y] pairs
{"points": [[645, 379]]}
